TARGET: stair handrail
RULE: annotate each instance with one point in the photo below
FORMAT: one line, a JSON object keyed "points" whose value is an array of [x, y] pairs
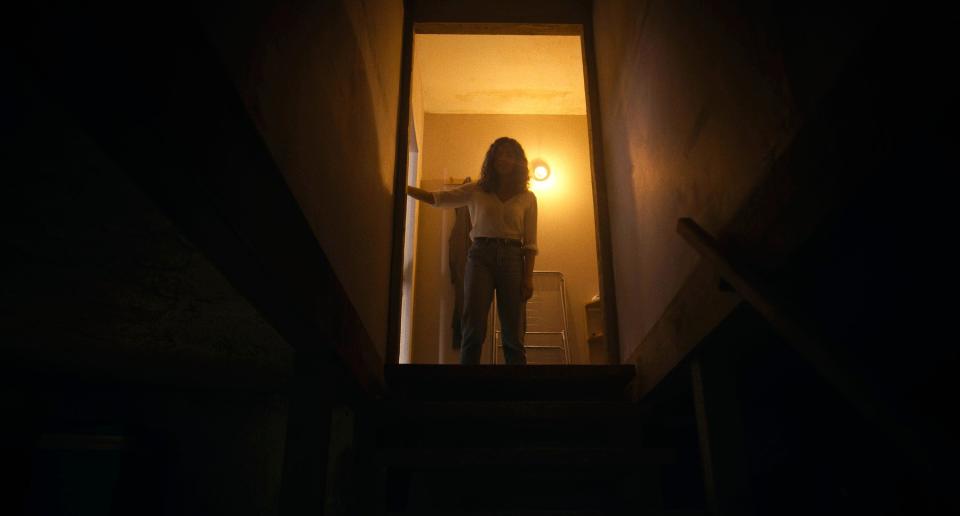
{"points": [[765, 301]]}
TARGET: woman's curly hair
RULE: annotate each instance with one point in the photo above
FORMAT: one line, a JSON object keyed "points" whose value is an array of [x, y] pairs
{"points": [[520, 179]]}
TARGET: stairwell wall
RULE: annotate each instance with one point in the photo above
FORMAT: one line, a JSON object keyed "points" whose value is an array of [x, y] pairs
{"points": [[321, 80], [696, 103]]}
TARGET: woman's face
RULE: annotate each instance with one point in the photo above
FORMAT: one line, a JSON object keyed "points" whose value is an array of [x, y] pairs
{"points": [[504, 161]]}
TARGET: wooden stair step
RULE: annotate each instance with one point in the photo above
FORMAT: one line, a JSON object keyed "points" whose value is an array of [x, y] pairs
{"points": [[508, 382], [610, 412], [507, 423], [516, 513], [586, 457], [557, 512]]}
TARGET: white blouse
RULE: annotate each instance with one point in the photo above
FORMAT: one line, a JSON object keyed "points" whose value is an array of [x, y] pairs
{"points": [[491, 217]]}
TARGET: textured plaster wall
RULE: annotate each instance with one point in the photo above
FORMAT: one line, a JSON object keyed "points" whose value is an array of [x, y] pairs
{"points": [[321, 80], [696, 100], [104, 279], [104, 289]]}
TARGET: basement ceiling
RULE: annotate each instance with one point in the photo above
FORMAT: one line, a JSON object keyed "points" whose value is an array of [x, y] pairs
{"points": [[500, 74]]}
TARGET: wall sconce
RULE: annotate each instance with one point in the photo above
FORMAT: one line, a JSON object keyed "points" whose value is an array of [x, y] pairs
{"points": [[541, 171]]}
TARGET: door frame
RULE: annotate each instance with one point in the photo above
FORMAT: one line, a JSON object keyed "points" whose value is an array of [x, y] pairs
{"points": [[415, 22]]}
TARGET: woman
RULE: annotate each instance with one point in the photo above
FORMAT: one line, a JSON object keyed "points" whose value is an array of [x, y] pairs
{"points": [[503, 212]]}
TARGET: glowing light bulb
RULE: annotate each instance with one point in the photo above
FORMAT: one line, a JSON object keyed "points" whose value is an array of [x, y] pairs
{"points": [[541, 173]]}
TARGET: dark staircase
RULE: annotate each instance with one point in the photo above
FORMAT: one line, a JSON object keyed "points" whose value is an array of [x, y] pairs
{"points": [[531, 440]]}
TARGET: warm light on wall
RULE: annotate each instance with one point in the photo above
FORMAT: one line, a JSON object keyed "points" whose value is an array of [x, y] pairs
{"points": [[542, 175]]}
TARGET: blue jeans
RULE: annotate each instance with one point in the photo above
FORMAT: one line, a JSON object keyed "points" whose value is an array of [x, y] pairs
{"points": [[493, 266]]}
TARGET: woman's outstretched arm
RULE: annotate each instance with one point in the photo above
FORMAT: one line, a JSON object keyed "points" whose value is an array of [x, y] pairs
{"points": [[421, 195]]}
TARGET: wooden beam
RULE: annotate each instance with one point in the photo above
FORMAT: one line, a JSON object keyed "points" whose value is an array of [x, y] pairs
{"points": [[521, 29], [810, 346], [723, 452], [395, 294], [601, 207], [534, 12], [693, 313]]}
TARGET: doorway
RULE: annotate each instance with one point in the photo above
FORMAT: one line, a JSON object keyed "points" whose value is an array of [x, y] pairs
{"points": [[465, 90]]}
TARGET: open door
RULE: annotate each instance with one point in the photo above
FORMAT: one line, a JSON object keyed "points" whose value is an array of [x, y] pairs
{"points": [[467, 86]]}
